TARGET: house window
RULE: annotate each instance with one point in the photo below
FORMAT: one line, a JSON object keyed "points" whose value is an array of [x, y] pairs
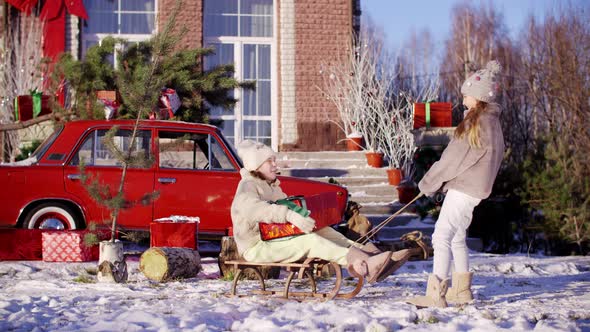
{"points": [[241, 31], [133, 20]]}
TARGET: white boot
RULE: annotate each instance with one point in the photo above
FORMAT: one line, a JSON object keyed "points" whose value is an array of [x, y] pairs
{"points": [[460, 291], [435, 293]]}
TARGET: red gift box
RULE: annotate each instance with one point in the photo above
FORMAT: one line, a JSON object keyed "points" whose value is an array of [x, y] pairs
{"points": [[173, 234], [24, 107], [433, 115], [69, 246], [20, 244], [324, 210]]}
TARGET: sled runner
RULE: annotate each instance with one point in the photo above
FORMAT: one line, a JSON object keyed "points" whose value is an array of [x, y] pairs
{"points": [[310, 269]]}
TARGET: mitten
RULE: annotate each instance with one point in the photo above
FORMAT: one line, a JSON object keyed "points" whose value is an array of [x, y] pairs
{"points": [[306, 224]]}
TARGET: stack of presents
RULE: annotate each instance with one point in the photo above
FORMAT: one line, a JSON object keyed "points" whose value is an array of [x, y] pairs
{"points": [[71, 246]]}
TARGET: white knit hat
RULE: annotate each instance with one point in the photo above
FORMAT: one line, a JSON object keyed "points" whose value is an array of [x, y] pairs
{"points": [[253, 154], [483, 85]]}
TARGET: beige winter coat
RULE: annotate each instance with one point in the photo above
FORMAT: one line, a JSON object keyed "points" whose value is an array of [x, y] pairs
{"points": [[251, 206], [469, 170]]}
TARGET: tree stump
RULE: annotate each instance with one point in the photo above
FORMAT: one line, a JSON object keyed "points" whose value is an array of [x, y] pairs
{"points": [[168, 263], [229, 252]]}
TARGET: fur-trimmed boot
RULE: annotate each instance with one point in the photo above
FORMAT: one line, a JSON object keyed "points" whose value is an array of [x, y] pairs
{"points": [[372, 268], [460, 291], [435, 293], [400, 258], [370, 249]]}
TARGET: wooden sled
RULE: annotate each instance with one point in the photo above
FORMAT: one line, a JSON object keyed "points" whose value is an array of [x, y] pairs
{"points": [[309, 268]]}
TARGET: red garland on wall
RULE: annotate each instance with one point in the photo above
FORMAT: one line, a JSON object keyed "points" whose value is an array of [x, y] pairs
{"points": [[54, 14]]}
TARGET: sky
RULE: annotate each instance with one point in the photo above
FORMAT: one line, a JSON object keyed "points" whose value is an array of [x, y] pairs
{"points": [[399, 18]]}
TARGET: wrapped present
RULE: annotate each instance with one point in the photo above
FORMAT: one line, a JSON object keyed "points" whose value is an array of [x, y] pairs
{"points": [[168, 104], [174, 231], [432, 115], [20, 244], [110, 95], [323, 208], [27, 107], [69, 246]]}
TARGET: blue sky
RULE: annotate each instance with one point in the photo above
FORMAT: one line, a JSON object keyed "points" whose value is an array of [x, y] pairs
{"points": [[399, 17]]}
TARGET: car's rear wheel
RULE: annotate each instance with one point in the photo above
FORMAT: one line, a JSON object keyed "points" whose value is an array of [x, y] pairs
{"points": [[51, 216]]}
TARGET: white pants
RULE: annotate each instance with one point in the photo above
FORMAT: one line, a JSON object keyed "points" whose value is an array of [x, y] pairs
{"points": [[325, 243], [450, 232]]}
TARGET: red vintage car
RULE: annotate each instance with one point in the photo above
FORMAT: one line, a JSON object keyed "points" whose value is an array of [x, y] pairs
{"points": [[194, 170]]}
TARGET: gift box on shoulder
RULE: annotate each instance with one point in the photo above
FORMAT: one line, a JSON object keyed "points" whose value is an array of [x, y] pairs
{"points": [[432, 115], [69, 246], [168, 232], [323, 208], [20, 244], [28, 107]]}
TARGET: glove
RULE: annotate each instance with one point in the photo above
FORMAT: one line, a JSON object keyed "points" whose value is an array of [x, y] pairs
{"points": [[306, 224]]}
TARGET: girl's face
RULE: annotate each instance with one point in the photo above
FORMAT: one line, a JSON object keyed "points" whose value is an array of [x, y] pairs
{"points": [[269, 169], [469, 102]]}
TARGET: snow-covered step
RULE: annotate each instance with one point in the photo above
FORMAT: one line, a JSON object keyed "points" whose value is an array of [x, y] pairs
{"points": [[336, 173], [321, 163], [385, 190], [302, 155], [355, 181]]}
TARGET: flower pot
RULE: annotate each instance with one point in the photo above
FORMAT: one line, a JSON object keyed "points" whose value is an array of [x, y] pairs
{"points": [[375, 159], [394, 175], [111, 262], [406, 192], [354, 143]]}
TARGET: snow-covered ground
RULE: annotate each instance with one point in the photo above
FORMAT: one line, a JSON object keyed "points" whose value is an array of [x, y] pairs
{"points": [[513, 293]]}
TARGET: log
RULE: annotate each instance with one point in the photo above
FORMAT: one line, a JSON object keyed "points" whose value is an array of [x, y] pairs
{"points": [[168, 263], [229, 252]]}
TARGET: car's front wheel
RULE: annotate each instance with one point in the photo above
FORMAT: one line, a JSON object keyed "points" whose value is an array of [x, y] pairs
{"points": [[51, 216]]}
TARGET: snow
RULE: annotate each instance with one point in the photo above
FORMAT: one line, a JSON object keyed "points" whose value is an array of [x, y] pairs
{"points": [[512, 293]]}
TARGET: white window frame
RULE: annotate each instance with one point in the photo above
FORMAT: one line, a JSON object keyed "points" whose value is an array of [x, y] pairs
{"points": [[238, 43], [131, 38]]}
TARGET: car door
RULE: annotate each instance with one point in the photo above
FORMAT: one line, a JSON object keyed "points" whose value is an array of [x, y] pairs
{"points": [[102, 166], [195, 177]]}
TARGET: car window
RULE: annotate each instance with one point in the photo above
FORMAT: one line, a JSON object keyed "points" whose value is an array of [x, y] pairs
{"points": [[94, 150], [181, 150]]}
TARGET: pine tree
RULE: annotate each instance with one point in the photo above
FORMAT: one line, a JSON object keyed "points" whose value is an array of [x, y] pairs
{"points": [[556, 187]]}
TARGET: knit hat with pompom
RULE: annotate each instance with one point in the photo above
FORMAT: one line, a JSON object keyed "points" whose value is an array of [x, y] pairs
{"points": [[253, 154], [483, 84]]}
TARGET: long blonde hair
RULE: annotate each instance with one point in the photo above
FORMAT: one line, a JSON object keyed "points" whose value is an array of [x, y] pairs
{"points": [[470, 125]]}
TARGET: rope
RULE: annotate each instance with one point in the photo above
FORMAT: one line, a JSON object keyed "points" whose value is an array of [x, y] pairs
{"points": [[377, 228]]}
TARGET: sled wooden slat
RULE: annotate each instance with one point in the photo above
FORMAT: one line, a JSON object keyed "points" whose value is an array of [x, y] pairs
{"points": [[309, 269]]}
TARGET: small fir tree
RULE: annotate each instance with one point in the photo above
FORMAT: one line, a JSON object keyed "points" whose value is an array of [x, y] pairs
{"points": [[556, 187]]}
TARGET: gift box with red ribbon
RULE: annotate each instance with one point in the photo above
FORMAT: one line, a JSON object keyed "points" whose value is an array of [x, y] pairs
{"points": [[432, 115], [323, 208], [168, 233], [69, 246], [20, 244]]}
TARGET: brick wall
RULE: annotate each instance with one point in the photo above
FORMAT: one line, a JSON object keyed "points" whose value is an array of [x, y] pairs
{"points": [[322, 31], [189, 17]]}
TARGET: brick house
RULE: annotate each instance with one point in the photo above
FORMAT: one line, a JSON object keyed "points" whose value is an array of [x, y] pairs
{"points": [[282, 44]]}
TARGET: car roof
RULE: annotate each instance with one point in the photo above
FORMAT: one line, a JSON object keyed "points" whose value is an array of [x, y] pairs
{"points": [[144, 123]]}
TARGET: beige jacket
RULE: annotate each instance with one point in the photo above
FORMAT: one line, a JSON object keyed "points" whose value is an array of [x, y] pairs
{"points": [[251, 206], [471, 171]]}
